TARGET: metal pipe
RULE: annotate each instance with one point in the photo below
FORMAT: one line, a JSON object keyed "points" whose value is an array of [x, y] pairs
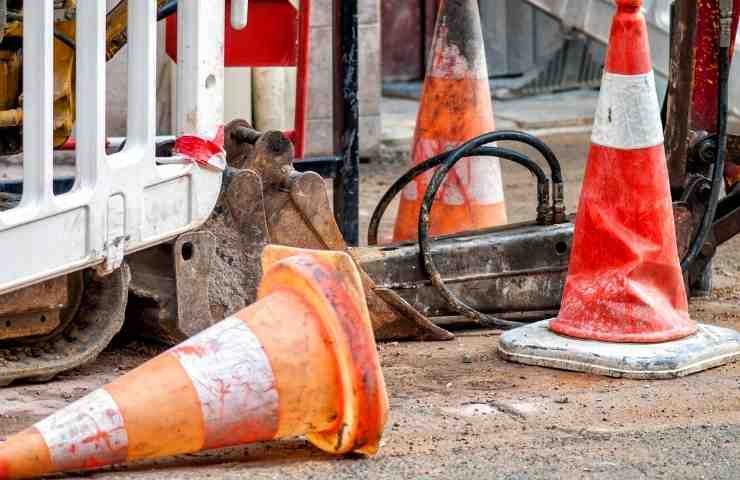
{"points": [[38, 102], [347, 119], [239, 14], [302, 81], [269, 98]]}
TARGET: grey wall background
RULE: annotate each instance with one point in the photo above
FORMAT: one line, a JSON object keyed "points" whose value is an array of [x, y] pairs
{"points": [[518, 37], [320, 131]]}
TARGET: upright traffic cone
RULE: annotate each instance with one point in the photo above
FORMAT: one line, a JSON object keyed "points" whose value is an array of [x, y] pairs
{"points": [[624, 298], [302, 360], [455, 107]]}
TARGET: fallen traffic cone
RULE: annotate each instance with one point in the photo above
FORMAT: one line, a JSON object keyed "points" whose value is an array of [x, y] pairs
{"points": [[300, 361], [455, 107], [625, 284]]}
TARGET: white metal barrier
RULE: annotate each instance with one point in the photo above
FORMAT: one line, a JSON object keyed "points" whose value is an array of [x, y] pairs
{"points": [[122, 202]]}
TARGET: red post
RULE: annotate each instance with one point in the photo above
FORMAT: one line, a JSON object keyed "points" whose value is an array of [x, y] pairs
{"points": [[283, 36]]}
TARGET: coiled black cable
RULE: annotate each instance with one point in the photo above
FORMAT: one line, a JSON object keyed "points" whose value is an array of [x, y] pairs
{"points": [[424, 242], [417, 170]]}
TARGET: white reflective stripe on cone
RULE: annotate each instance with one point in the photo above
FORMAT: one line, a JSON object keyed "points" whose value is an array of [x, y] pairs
{"points": [[480, 177], [87, 434], [628, 114], [234, 381]]}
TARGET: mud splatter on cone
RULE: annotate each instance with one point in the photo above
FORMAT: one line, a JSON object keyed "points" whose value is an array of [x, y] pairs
{"points": [[624, 280], [455, 107], [624, 298], [300, 361]]}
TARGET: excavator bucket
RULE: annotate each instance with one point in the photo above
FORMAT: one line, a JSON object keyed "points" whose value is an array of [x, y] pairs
{"points": [[179, 289]]}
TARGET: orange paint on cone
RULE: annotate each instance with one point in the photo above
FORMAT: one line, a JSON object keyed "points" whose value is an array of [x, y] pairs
{"points": [[300, 361], [456, 106], [624, 311], [624, 281]]}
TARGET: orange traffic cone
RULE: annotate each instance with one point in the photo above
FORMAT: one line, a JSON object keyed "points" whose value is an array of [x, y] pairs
{"points": [[302, 360], [625, 284], [455, 107]]}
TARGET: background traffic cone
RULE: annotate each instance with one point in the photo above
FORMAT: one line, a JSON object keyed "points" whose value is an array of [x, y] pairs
{"points": [[624, 281], [302, 360], [455, 107]]}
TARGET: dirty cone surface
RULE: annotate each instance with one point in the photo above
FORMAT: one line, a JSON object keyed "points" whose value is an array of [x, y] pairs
{"points": [[300, 361], [456, 106], [624, 311]]}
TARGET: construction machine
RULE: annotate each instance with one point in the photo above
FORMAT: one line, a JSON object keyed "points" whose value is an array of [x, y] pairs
{"points": [[506, 276], [64, 281], [149, 235], [519, 271], [159, 231]]}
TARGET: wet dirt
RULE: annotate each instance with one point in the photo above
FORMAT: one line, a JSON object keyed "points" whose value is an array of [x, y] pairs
{"points": [[460, 412]]}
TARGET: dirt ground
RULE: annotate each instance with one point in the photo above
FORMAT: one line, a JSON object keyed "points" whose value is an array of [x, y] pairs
{"points": [[460, 412]]}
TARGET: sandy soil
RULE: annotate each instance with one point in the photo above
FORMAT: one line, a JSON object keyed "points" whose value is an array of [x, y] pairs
{"points": [[458, 411]]}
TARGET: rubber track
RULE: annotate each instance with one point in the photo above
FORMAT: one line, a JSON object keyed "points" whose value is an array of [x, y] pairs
{"points": [[100, 317]]}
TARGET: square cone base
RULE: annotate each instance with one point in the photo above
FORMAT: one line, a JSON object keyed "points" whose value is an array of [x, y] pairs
{"points": [[537, 345]]}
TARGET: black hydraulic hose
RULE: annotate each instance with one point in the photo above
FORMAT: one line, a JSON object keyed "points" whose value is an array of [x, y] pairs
{"points": [[556, 172], [167, 9], [721, 154], [545, 216], [425, 245], [417, 170], [394, 190]]}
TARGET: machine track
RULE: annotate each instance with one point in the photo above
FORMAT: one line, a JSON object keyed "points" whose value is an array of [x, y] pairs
{"points": [[100, 316]]}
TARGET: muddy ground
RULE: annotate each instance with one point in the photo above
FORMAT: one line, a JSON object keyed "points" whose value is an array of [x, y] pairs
{"points": [[459, 412]]}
